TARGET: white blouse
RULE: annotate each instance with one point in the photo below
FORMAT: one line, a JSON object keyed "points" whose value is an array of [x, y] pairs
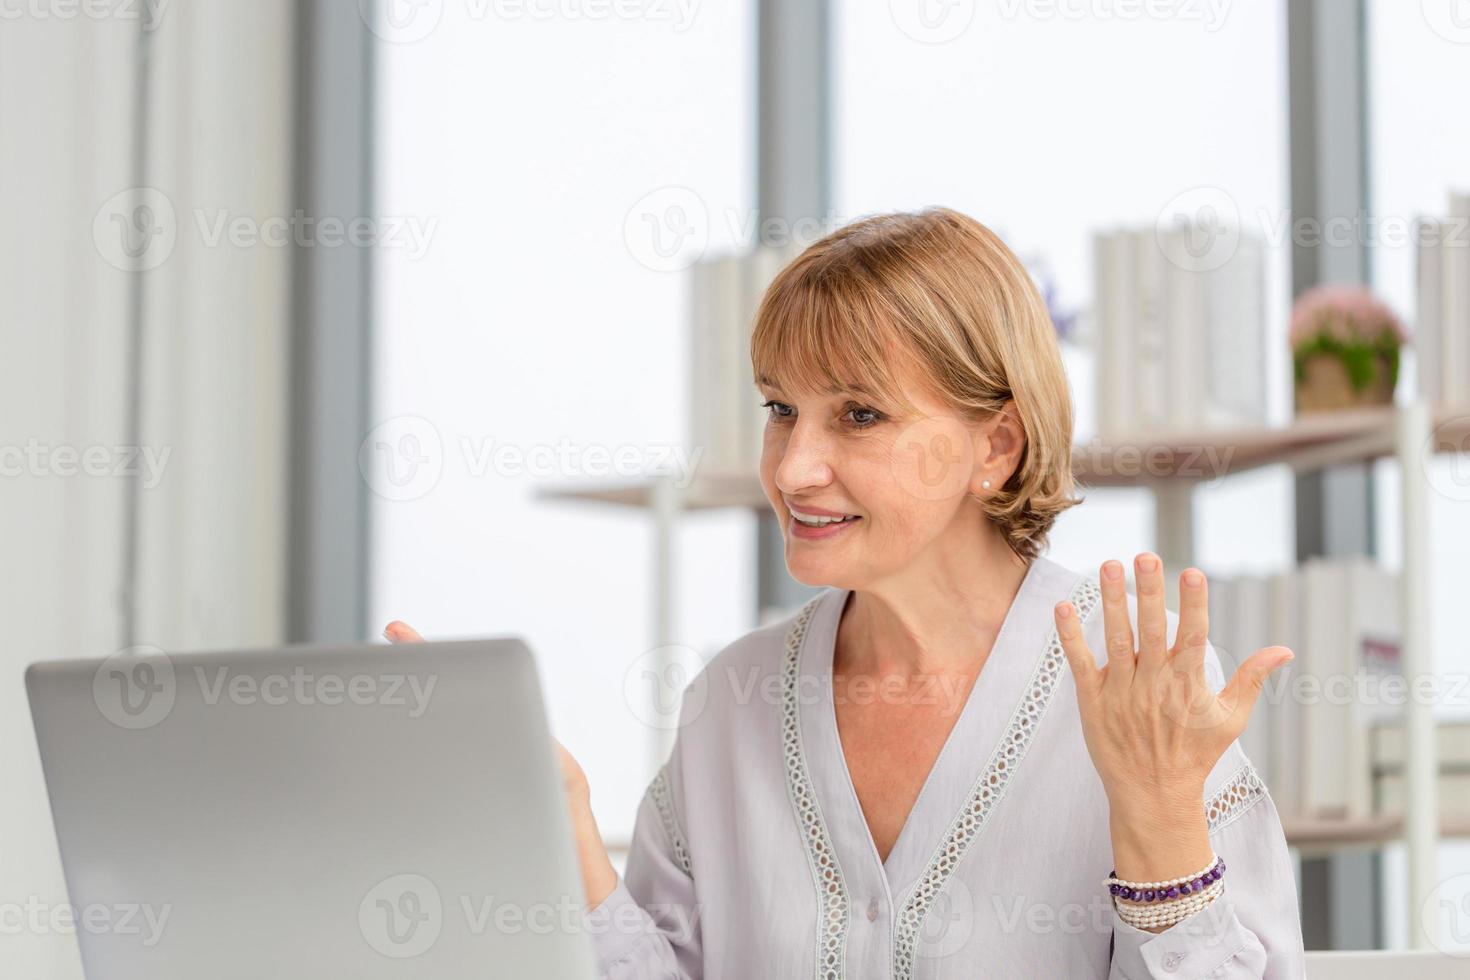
{"points": [[751, 858]]}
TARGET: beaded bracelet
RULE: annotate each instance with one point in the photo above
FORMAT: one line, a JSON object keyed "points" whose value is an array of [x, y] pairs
{"points": [[1150, 904], [1176, 910], [1161, 891]]}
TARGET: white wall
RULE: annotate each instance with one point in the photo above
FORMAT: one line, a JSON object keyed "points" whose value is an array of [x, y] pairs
{"points": [[63, 328], [211, 529], [529, 322]]}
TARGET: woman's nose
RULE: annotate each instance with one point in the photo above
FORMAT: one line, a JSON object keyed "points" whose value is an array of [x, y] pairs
{"points": [[806, 459]]}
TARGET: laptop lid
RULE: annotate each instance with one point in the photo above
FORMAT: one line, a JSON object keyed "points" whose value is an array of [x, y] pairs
{"points": [[368, 812]]}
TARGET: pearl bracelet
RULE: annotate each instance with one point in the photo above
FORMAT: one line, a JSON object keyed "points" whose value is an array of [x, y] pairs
{"points": [[1163, 916], [1161, 891]]}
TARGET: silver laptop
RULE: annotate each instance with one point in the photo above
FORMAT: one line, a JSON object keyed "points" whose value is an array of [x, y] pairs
{"points": [[369, 812]]}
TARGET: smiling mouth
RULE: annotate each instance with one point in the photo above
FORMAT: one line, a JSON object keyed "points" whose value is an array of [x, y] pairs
{"points": [[814, 520]]}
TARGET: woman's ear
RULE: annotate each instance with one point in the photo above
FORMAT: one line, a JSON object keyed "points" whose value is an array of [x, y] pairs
{"points": [[998, 449]]}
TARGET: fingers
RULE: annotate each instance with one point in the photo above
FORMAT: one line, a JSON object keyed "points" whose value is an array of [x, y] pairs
{"points": [[1116, 625], [1245, 685], [1085, 671], [1153, 623], [400, 632], [1192, 635]]}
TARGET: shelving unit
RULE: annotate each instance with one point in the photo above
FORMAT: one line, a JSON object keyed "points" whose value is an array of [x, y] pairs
{"points": [[1172, 466]]}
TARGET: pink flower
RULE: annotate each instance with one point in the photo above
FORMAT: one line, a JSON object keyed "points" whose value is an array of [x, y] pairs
{"points": [[1347, 313]]}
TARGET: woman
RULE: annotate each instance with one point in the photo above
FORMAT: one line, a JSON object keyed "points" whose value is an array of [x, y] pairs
{"points": [[960, 759]]}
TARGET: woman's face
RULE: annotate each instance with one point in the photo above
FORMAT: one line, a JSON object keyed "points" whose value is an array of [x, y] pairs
{"points": [[864, 491]]}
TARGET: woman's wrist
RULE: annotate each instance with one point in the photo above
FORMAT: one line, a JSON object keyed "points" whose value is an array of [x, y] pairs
{"points": [[1157, 838], [599, 877]]}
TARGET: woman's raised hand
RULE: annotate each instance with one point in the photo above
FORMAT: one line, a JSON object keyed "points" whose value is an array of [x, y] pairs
{"points": [[599, 878], [1153, 725]]}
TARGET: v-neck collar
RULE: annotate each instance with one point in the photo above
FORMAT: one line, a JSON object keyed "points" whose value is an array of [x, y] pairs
{"points": [[979, 727], [1001, 715]]}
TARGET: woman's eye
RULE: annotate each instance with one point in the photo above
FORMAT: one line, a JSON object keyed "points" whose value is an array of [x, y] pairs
{"points": [[864, 417], [778, 410]]}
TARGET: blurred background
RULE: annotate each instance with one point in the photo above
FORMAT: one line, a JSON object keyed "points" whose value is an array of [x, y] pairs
{"points": [[322, 314]]}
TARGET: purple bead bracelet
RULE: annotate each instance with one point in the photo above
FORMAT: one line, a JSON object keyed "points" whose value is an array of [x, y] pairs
{"points": [[1164, 894]]}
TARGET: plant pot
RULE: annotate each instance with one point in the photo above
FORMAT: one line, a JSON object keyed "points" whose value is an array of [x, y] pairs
{"points": [[1326, 387]]}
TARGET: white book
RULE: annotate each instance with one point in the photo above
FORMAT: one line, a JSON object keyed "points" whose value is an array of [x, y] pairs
{"points": [[1429, 314], [1104, 301], [731, 393], [1149, 376], [1235, 344], [1326, 711], [1115, 320], [1351, 630], [1373, 607], [1183, 298], [1251, 609], [1177, 349], [704, 360], [1455, 337], [761, 268], [1389, 748], [1285, 751]]}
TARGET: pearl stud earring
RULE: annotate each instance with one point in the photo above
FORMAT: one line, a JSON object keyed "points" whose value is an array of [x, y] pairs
{"points": [[985, 484]]}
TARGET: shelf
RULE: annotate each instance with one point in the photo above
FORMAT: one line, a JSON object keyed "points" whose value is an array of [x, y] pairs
{"points": [[708, 491], [1325, 834], [1311, 442]]}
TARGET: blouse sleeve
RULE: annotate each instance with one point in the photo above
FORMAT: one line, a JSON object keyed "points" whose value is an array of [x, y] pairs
{"points": [[1253, 929], [648, 928]]}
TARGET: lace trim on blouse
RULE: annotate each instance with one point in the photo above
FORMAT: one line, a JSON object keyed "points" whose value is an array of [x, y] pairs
{"points": [[663, 802], [988, 789], [1239, 794], [833, 903]]}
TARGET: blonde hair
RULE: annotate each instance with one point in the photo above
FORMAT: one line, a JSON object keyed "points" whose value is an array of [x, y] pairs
{"points": [[939, 291]]}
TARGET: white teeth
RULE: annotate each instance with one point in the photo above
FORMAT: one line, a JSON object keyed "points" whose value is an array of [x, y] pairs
{"points": [[815, 520]]}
